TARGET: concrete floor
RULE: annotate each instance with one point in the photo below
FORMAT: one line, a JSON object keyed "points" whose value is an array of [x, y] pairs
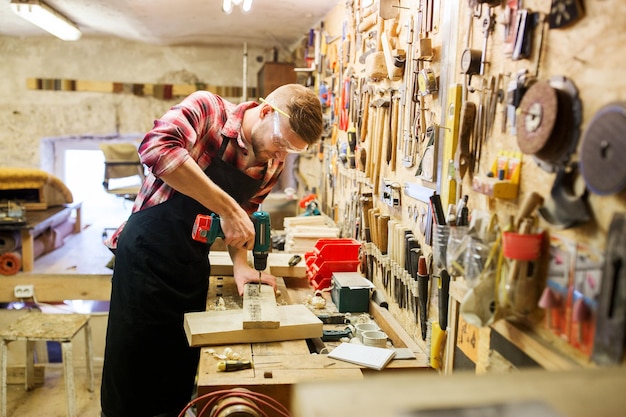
{"points": [[50, 399]]}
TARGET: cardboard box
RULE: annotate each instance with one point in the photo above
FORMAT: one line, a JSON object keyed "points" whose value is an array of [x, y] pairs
{"points": [[351, 292]]}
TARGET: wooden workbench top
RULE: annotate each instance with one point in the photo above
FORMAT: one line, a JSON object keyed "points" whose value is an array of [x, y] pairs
{"points": [[277, 366], [576, 393]]}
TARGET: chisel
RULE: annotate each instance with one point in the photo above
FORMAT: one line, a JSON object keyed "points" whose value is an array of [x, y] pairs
{"points": [[422, 289], [443, 291], [415, 251], [415, 256]]}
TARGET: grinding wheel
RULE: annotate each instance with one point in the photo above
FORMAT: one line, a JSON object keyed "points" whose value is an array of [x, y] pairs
{"points": [[544, 121], [603, 151]]}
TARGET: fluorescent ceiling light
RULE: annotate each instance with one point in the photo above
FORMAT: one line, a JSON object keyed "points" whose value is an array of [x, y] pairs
{"points": [[227, 5], [42, 15]]}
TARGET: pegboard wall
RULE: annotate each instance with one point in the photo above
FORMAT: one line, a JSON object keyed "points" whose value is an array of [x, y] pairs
{"points": [[503, 101]]}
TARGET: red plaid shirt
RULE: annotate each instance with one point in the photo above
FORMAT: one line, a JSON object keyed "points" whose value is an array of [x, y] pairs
{"points": [[194, 129]]}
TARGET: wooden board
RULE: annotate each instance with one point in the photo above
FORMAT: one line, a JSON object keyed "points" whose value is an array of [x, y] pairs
{"points": [[162, 91], [54, 287], [278, 263], [224, 327], [577, 393], [259, 307]]}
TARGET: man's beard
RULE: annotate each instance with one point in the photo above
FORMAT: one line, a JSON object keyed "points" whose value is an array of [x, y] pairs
{"points": [[261, 154]]}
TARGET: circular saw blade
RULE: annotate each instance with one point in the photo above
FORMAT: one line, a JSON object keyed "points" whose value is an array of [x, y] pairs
{"points": [[603, 150]]}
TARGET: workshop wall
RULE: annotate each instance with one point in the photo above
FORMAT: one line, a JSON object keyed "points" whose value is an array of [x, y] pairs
{"points": [[29, 115], [407, 149]]}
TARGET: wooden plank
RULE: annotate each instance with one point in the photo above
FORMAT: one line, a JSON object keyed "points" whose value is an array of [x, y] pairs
{"points": [[278, 264], [576, 393], [208, 373], [537, 349], [400, 339], [392, 328], [224, 327], [94, 86], [56, 287], [259, 307], [287, 347], [453, 321], [284, 369]]}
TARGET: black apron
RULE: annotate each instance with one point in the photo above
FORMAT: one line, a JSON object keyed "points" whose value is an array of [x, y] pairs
{"points": [[160, 274]]}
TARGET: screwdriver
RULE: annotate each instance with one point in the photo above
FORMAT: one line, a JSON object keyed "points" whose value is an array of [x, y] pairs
{"points": [[233, 365]]}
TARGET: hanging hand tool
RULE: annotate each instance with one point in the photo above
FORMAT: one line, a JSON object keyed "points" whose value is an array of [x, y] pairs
{"points": [[463, 158], [377, 139], [422, 289], [390, 157], [408, 106], [366, 205], [526, 23], [352, 148], [564, 13], [408, 242], [608, 347], [453, 112], [443, 292], [488, 24], [479, 128], [364, 119], [410, 283]]}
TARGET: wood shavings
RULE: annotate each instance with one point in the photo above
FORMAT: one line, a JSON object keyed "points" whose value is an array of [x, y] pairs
{"points": [[228, 354], [316, 301], [220, 305]]}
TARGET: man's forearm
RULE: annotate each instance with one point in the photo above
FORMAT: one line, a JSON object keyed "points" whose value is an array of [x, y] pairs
{"points": [[239, 256]]}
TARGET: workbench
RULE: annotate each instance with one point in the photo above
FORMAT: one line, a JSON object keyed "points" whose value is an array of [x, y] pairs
{"points": [[37, 221], [280, 365]]}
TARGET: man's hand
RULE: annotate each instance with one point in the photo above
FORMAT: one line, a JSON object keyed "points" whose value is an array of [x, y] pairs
{"points": [[247, 275], [238, 229]]}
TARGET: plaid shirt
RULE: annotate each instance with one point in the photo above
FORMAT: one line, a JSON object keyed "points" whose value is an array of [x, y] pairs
{"points": [[194, 129]]}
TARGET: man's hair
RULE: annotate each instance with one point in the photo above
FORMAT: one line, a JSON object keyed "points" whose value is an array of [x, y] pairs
{"points": [[304, 109]]}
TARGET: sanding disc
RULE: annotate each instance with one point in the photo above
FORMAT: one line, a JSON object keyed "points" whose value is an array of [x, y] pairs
{"points": [[603, 151], [543, 120]]}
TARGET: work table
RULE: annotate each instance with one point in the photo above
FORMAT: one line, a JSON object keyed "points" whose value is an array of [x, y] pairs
{"points": [[280, 365]]}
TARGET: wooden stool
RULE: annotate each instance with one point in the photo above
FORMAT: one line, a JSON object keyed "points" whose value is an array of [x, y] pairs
{"points": [[33, 327]]}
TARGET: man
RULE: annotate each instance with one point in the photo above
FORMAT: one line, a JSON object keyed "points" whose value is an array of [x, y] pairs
{"points": [[205, 155]]}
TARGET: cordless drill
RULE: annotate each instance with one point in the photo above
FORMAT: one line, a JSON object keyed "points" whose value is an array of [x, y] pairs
{"points": [[207, 228]]}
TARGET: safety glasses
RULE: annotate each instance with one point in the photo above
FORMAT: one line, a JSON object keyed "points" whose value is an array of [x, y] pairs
{"points": [[277, 136]]}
